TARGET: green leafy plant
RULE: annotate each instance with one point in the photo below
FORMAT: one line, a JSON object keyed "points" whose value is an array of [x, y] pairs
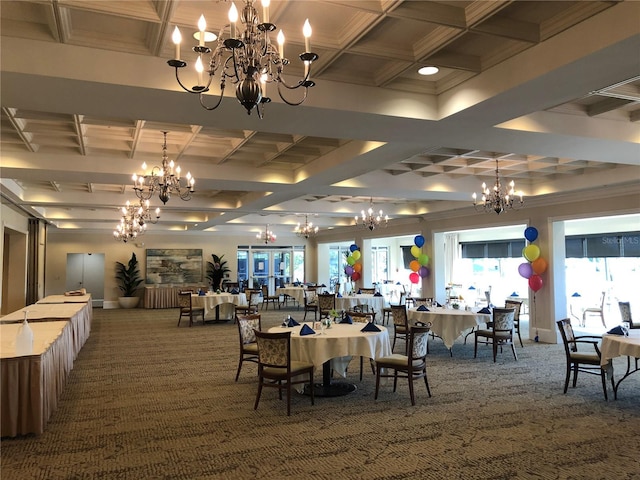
{"points": [[216, 271], [128, 277]]}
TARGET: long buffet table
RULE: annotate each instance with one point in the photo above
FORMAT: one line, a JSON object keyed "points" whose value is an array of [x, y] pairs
{"points": [[30, 385], [165, 296]]}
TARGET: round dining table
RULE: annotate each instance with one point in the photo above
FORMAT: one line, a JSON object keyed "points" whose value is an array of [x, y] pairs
{"points": [[213, 302], [448, 323], [333, 348]]}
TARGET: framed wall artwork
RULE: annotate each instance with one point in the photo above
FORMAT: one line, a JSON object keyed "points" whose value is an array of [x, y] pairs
{"points": [[174, 265]]}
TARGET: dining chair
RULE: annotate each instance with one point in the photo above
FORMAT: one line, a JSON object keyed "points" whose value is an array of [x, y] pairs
{"points": [[310, 303], [595, 311], [186, 308], [625, 314], [412, 367], [253, 301], [267, 299], [400, 325], [275, 367], [500, 333], [367, 290], [248, 345], [386, 311], [326, 303], [363, 317], [336, 288], [580, 361], [517, 306]]}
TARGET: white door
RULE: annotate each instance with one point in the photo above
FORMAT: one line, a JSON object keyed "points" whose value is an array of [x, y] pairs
{"points": [[86, 270]]}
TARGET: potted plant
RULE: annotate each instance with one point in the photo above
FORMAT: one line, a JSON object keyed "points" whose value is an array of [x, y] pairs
{"points": [[129, 280], [216, 271]]}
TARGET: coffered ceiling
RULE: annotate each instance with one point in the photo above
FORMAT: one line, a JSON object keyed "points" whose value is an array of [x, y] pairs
{"points": [[551, 89]]}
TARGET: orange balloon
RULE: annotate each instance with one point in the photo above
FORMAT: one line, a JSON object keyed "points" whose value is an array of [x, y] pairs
{"points": [[357, 267], [539, 265], [414, 265]]}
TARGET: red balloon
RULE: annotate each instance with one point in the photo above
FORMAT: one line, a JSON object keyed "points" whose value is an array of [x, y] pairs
{"points": [[355, 276], [414, 277], [535, 282]]}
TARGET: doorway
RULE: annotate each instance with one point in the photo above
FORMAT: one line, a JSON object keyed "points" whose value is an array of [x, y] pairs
{"points": [[86, 270]]}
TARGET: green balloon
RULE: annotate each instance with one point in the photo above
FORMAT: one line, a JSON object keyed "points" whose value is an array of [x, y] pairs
{"points": [[423, 259], [351, 260]]}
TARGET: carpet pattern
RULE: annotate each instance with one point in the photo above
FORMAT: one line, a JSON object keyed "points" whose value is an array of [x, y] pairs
{"points": [[149, 400]]}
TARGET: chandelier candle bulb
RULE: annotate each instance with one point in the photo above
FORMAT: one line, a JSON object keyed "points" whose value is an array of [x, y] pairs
{"points": [[265, 11], [177, 38], [233, 18], [202, 26], [280, 39], [306, 31], [199, 69]]}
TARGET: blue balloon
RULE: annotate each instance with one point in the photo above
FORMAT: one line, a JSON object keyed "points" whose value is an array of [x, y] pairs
{"points": [[531, 233], [419, 241], [353, 247]]}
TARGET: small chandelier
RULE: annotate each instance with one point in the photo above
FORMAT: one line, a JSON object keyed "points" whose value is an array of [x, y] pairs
{"points": [[498, 200], [134, 221], [267, 236], [306, 230], [164, 179], [246, 58], [371, 220]]}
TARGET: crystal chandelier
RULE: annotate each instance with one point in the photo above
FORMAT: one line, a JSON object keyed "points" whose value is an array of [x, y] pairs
{"points": [[164, 179], [267, 236], [134, 221], [498, 199], [371, 220], [306, 230], [247, 59]]}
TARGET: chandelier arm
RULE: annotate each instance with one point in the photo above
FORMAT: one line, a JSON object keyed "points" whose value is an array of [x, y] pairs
{"points": [[217, 104], [293, 104]]}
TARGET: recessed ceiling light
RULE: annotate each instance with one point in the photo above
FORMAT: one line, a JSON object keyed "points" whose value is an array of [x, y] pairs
{"points": [[428, 70]]}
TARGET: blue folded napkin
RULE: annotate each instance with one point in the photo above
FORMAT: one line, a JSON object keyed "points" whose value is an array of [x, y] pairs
{"points": [[484, 310], [201, 293], [576, 294], [346, 319], [370, 327], [616, 331], [339, 295], [359, 292], [377, 294], [235, 291], [292, 323], [307, 330], [514, 294], [422, 308], [438, 305]]}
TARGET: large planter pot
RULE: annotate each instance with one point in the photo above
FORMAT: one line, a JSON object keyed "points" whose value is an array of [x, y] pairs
{"points": [[128, 302]]}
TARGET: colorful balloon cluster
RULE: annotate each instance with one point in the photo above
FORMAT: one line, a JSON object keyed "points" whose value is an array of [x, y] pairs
{"points": [[419, 265], [536, 265], [354, 267]]}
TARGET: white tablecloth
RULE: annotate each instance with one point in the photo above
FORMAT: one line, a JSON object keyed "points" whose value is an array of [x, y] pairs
{"points": [[296, 292], [80, 315], [32, 384], [66, 299], [338, 343], [616, 346], [348, 302], [225, 301], [448, 324]]}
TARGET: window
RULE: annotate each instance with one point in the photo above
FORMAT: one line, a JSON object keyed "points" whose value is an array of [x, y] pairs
{"points": [[379, 264]]}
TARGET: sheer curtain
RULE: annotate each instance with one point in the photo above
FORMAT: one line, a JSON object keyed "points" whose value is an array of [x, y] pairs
{"points": [[452, 253]]}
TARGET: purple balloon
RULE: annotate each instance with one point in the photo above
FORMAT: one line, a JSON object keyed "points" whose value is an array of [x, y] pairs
{"points": [[525, 270], [423, 272], [348, 270]]}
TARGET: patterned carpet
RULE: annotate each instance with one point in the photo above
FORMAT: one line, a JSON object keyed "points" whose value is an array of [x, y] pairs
{"points": [[148, 400]]}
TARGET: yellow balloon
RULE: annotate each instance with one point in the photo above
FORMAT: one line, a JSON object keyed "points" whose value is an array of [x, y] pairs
{"points": [[356, 255], [415, 251], [531, 252]]}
